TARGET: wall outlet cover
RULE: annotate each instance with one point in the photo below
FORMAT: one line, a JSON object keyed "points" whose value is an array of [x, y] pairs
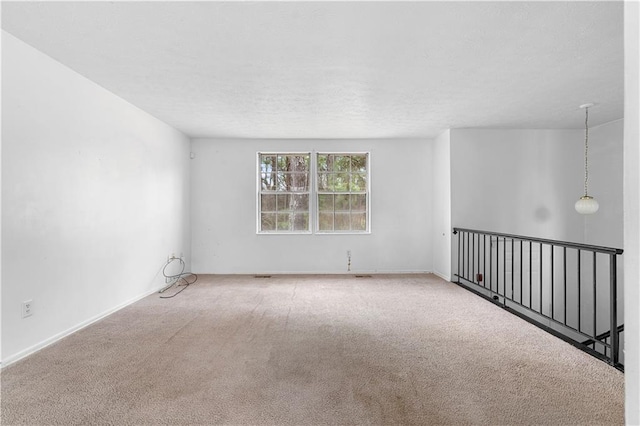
{"points": [[27, 308]]}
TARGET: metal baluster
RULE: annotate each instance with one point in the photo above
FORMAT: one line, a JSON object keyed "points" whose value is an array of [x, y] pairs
{"points": [[530, 276], [478, 255], [553, 294], [463, 275], [498, 265], [473, 257], [579, 279], [484, 260], [468, 249], [504, 267], [540, 273], [564, 299], [613, 301], [595, 297], [521, 263], [458, 271], [490, 263], [512, 270]]}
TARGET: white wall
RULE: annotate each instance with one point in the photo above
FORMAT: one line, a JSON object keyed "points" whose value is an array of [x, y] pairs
{"points": [[224, 211], [606, 171], [442, 205], [632, 210], [95, 195], [526, 182], [501, 181]]}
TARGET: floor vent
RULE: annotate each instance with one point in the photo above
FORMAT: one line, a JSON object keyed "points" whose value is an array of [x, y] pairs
{"points": [[363, 276], [262, 276]]}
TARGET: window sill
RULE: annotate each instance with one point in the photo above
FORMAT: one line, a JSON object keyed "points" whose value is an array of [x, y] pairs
{"points": [[284, 233]]}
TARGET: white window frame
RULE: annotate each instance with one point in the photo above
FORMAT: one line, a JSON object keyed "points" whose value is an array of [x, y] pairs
{"points": [[259, 192], [317, 193], [314, 214]]}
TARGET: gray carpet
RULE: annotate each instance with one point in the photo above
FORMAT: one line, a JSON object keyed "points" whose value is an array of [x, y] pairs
{"points": [[311, 350]]}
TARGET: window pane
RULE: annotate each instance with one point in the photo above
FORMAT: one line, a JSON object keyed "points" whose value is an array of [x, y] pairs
{"points": [[324, 182], [359, 163], [281, 184], [326, 221], [293, 182], [268, 203], [342, 202], [358, 182], [268, 172], [342, 163], [268, 222], [268, 162], [325, 202], [358, 202], [342, 222], [284, 202], [359, 221], [268, 181], [322, 163], [293, 202], [330, 161], [301, 222], [300, 202], [284, 221], [284, 181], [300, 163], [293, 163], [340, 182], [299, 182], [332, 182], [283, 163]]}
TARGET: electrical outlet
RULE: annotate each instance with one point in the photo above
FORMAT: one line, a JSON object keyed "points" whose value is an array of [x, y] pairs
{"points": [[27, 308]]}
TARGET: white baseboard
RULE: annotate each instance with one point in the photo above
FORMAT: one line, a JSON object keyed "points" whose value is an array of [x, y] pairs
{"points": [[51, 340], [383, 272], [444, 277]]}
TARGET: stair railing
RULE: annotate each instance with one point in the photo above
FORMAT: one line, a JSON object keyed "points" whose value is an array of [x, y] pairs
{"points": [[568, 289]]}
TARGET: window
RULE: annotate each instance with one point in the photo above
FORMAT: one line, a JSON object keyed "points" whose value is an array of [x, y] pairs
{"points": [[338, 201], [342, 191], [284, 192]]}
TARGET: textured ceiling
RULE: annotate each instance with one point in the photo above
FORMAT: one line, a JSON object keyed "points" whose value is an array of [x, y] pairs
{"points": [[341, 69]]}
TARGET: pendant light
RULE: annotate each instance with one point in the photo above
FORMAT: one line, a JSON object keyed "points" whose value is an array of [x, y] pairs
{"points": [[586, 204]]}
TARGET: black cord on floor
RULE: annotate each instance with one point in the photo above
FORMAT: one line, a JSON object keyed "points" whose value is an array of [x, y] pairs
{"points": [[182, 276]]}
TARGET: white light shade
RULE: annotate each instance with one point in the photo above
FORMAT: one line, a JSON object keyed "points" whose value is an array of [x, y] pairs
{"points": [[587, 205]]}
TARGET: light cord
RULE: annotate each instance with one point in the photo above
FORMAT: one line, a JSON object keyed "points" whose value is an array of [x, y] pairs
{"points": [[586, 150]]}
